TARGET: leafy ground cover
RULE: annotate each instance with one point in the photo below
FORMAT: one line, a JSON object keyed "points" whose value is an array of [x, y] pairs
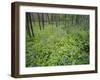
{"points": [[54, 46]]}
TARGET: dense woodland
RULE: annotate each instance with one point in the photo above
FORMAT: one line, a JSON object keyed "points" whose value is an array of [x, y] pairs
{"points": [[56, 39]]}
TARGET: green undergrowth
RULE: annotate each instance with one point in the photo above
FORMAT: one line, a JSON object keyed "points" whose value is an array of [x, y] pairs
{"points": [[55, 46]]}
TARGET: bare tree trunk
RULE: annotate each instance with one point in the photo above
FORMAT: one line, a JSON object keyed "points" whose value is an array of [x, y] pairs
{"points": [[74, 20], [65, 20], [31, 26], [27, 26], [39, 20], [56, 20], [48, 18], [52, 19], [33, 19], [59, 20], [43, 20]]}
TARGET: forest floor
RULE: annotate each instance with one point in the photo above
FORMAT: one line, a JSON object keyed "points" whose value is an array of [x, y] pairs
{"points": [[53, 46]]}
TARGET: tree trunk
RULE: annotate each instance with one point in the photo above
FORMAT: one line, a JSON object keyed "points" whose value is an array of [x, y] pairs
{"points": [[27, 25], [31, 26], [48, 18], [65, 20], [39, 20], [43, 20], [56, 20]]}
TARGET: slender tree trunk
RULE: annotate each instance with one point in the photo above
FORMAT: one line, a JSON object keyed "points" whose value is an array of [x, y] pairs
{"points": [[52, 19], [27, 26], [48, 18], [39, 20], [74, 20], [56, 20], [43, 20], [33, 19], [59, 20], [65, 20], [31, 26]]}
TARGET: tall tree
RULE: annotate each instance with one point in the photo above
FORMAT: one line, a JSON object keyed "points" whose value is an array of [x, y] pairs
{"points": [[74, 20], [56, 20], [59, 19], [48, 19], [29, 25], [65, 20], [52, 19], [38, 15], [33, 18], [43, 20]]}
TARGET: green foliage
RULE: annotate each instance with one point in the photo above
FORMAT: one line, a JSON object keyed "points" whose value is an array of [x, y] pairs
{"points": [[54, 46]]}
